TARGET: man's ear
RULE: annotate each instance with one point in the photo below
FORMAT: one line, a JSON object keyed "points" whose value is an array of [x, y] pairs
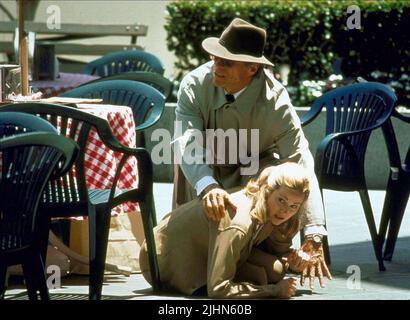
{"points": [[254, 68]]}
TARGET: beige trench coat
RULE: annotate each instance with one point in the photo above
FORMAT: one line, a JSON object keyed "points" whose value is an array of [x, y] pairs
{"points": [[264, 105], [193, 251]]}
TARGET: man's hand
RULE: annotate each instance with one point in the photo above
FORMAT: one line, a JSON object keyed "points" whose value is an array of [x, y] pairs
{"points": [[317, 265], [214, 201]]}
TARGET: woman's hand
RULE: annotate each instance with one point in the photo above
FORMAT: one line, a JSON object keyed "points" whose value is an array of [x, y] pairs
{"points": [[214, 201], [317, 265], [287, 288]]}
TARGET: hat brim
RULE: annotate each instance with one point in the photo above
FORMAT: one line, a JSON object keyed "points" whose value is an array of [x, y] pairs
{"points": [[213, 47]]}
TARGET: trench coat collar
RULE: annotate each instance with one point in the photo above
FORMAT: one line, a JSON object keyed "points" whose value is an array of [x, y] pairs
{"points": [[263, 232], [220, 99], [247, 97]]}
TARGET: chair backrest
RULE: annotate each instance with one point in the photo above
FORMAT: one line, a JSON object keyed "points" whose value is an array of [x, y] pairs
{"points": [[27, 162], [146, 102], [154, 79], [351, 109], [12, 123], [357, 106], [69, 191], [123, 61]]}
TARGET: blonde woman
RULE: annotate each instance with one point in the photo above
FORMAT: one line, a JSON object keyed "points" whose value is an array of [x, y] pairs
{"points": [[194, 252]]}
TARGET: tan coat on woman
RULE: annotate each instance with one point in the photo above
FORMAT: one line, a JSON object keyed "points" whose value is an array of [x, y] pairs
{"points": [[194, 251]]}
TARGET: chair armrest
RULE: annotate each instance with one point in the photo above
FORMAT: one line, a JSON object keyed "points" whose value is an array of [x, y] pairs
{"points": [[152, 118], [145, 178], [88, 69], [72, 156], [311, 114], [144, 163], [327, 141]]}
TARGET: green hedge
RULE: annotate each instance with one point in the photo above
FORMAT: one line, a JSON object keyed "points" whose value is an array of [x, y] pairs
{"points": [[310, 36]]}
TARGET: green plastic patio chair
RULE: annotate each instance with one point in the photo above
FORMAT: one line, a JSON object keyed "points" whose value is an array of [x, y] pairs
{"points": [[155, 80], [146, 102], [352, 113], [124, 61], [28, 161], [69, 196]]}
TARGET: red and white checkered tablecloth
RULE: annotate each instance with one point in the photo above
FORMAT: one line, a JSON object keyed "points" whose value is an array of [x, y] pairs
{"points": [[101, 162]]}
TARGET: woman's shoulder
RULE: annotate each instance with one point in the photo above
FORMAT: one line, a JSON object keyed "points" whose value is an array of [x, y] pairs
{"points": [[240, 218]]}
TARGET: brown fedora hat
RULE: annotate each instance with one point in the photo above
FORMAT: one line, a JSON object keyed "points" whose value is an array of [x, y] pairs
{"points": [[240, 41]]}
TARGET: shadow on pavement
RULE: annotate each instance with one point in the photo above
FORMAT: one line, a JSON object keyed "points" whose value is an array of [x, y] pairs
{"points": [[361, 254]]}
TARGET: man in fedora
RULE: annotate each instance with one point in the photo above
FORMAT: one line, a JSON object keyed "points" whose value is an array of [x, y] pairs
{"points": [[236, 92]]}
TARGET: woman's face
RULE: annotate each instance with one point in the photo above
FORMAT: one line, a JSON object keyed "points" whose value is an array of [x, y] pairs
{"points": [[283, 203]]}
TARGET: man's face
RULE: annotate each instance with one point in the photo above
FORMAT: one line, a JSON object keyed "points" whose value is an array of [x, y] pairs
{"points": [[232, 75]]}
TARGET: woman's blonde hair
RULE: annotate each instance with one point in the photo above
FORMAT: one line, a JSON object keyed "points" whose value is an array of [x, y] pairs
{"points": [[288, 174]]}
